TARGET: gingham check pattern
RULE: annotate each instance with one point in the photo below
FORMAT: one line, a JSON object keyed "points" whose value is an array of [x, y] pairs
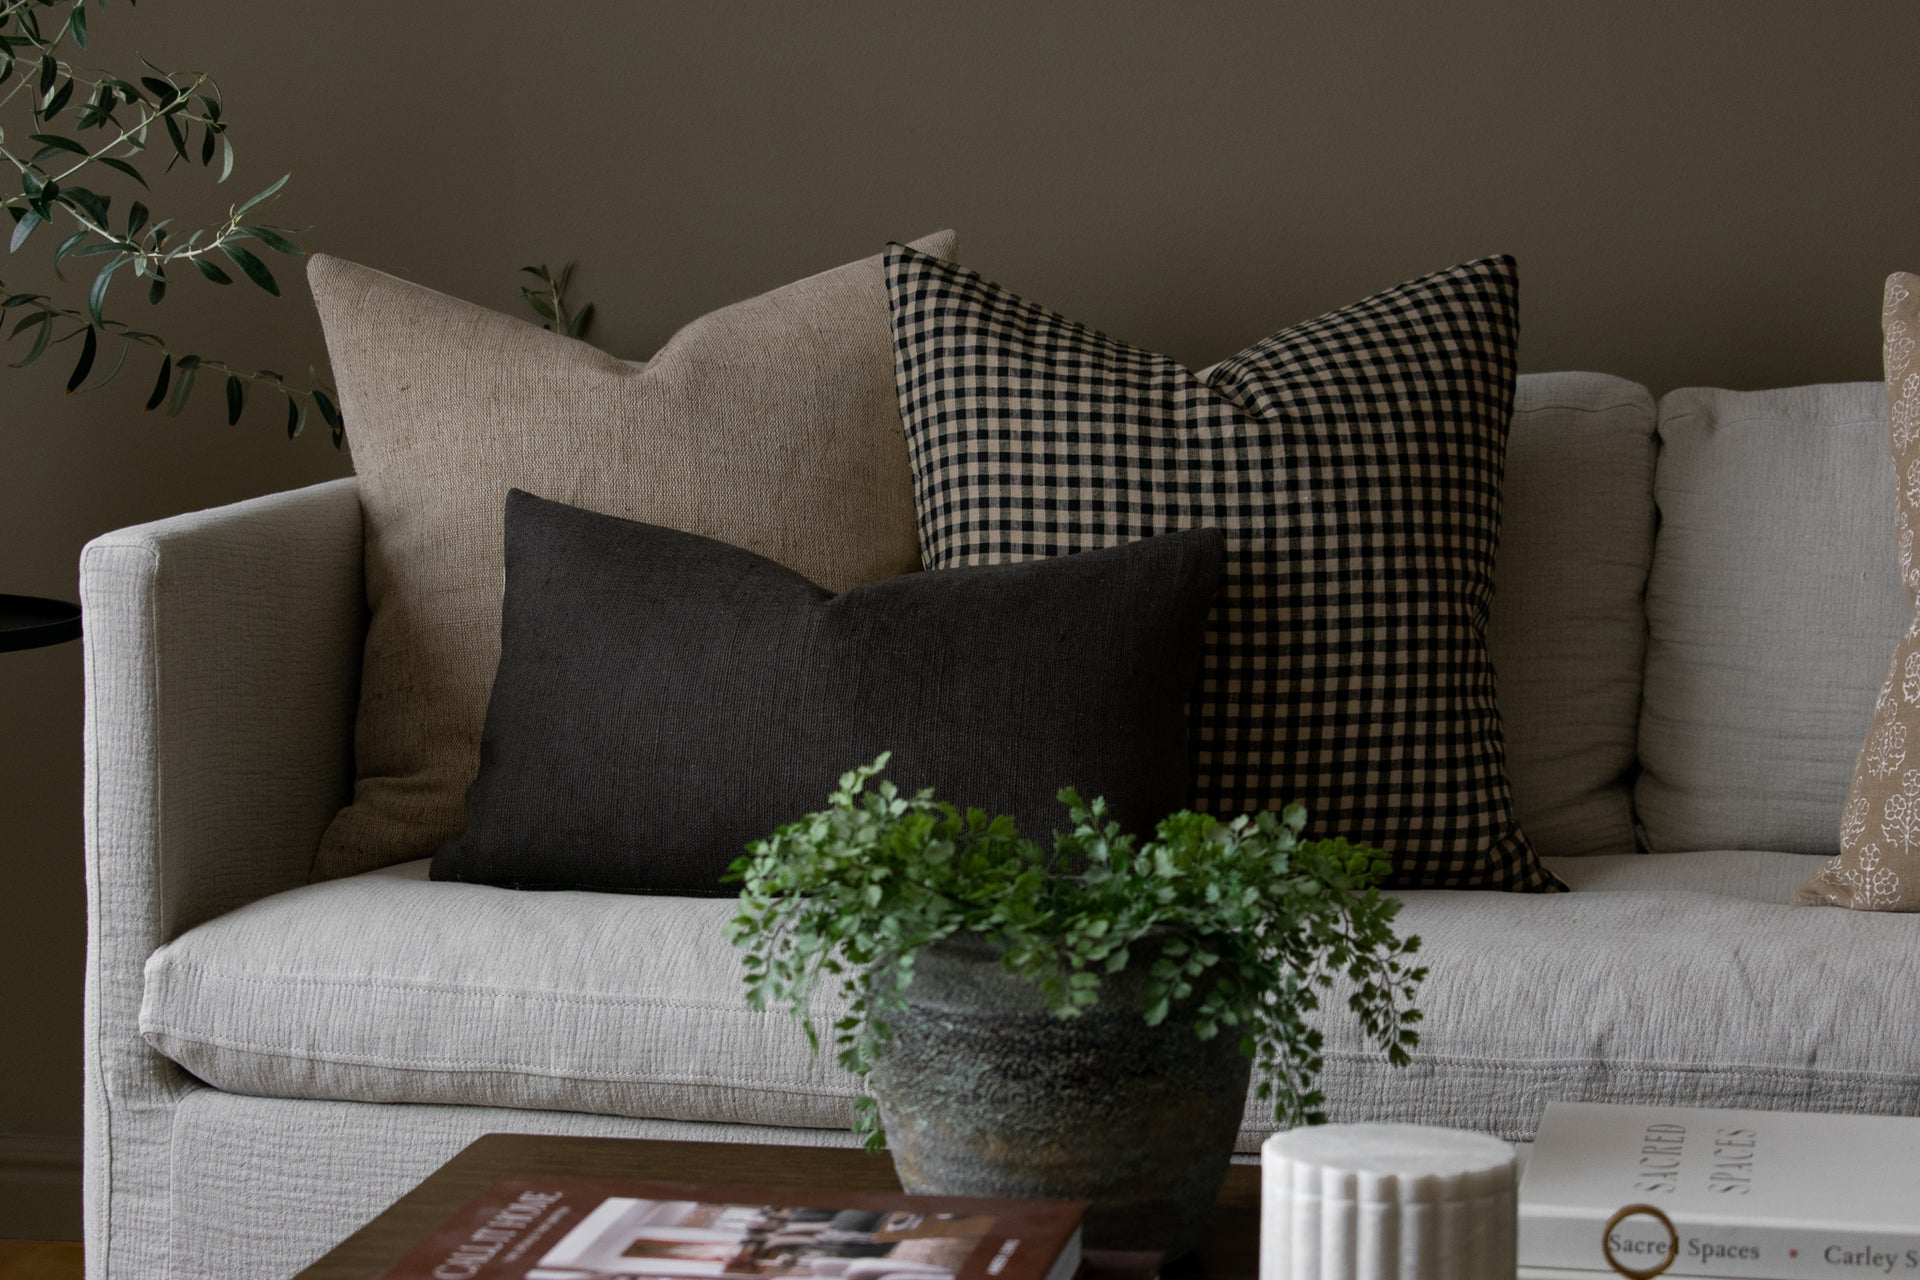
{"points": [[1354, 463]]}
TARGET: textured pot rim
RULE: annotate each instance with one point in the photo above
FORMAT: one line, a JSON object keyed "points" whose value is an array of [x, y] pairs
{"points": [[1121, 993]]}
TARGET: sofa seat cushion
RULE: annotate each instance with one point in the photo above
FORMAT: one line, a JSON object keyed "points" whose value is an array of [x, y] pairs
{"points": [[390, 987], [1665, 977], [1681, 978]]}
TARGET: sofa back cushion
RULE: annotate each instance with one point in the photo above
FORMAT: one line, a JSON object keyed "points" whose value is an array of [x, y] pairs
{"points": [[1567, 630], [1773, 604]]}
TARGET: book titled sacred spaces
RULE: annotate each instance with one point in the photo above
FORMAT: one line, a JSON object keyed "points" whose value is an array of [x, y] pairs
{"points": [[1759, 1195], [566, 1228]]}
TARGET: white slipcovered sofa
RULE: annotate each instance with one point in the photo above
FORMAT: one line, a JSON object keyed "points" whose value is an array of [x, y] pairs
{"points": [[270, 1062]]}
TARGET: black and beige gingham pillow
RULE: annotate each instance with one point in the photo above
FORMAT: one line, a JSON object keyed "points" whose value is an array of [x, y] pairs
{"points": [[1353, 462]]}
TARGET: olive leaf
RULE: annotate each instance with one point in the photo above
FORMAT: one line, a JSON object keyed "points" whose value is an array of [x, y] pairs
{"points": [[108, 137], [63, 178], [550, 304], [89, 346], [160, 384]]}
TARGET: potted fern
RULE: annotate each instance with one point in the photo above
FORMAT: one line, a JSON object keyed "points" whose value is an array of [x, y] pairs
{"points": [[1076, 1023]]}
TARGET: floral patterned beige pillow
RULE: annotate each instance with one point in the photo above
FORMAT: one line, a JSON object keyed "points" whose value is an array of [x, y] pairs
{"points": [[1879, 864]]}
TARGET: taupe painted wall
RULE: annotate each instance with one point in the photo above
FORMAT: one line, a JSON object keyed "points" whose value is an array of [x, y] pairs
{"points": [[1697, 194]]}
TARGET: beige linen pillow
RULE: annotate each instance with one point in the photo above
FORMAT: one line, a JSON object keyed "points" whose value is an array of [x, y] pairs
{"points": [[770, 424], [1879, 864]]}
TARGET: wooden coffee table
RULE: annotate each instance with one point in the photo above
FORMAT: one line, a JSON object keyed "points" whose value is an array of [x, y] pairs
{"points": [[1229, 1249]]}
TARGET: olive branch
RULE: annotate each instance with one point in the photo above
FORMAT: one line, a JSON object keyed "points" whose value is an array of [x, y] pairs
{"points": [[82, 125]]}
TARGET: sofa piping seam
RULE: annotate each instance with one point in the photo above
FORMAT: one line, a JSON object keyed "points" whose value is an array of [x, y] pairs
{"points": [[428, 1066], [205, 974], [1504, 1065]]}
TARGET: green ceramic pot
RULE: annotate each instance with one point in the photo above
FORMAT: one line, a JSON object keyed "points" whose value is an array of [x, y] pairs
{"points": [[985, 1092]]}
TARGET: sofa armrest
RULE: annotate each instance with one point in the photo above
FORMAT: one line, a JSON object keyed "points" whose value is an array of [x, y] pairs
{"points": [[222, 665], [222, 654]]}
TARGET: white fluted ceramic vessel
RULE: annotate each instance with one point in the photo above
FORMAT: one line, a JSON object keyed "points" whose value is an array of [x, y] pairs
{"points": [[1387, 1202]]}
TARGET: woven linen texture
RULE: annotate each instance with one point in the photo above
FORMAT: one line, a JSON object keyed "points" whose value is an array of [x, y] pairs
{"points": [[1878, 868], [663, 700], [770, 424], [1353, 463]]}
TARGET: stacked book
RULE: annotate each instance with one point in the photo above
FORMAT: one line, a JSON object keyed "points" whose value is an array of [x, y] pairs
{"points": [[1688, 1192], [571, 1228]]}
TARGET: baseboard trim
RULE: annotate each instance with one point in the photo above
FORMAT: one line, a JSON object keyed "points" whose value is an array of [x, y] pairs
{"points": [[40, 1186], [40, 1157]]}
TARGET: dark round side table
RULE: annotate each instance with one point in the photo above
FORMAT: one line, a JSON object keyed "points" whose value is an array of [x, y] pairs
{"points": [[28, 622]]}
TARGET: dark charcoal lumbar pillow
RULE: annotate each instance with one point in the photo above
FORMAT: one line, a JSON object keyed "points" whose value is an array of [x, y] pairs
{"points": [[1354, 463], [663, 699]]}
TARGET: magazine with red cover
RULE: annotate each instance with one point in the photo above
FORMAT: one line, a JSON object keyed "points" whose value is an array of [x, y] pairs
{"points": [[570, 1228]]}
